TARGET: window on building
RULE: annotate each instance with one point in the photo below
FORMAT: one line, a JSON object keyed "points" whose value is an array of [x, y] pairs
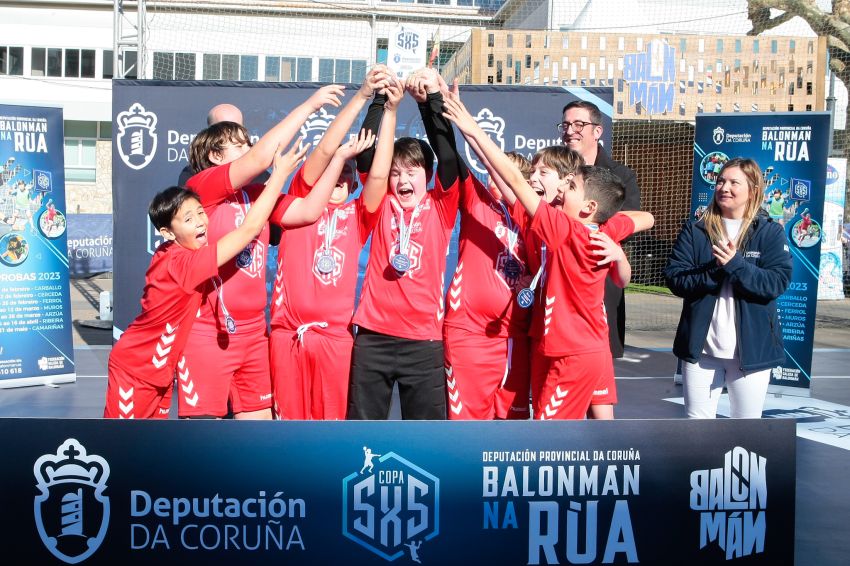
{"points": [[230, 67], [528, 41], [701, 45], [774, 46], [792, 46], [499, 72], [129, 69], [528, 61], [808, 107], [683, 44], [490, 59], [489, 79], [491, 39], [737, 46], [619, 107], [546, 62], [381, 47], [341, 70], [11, 60], [755, 46], [811, 48], [602, 42], [790, 108], [288, 69], [174, 66], [809, 89], [719, 46], [517, 71], [510, 40], [81, 149], [510, 61]]}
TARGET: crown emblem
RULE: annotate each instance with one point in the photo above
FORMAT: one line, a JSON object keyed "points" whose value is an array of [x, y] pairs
{"points": [[70, 464], [136, 116], [316, 125], [490, 123]]}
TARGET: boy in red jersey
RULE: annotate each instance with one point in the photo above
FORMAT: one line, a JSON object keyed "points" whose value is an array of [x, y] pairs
{"points": [[142, 363], [317, 271], [400, 315], [485, 335], [316, 279], [574, 353], [227, 358]]}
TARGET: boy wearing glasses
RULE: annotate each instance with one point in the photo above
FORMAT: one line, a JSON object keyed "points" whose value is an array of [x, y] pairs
{"points": [[580, 129]]}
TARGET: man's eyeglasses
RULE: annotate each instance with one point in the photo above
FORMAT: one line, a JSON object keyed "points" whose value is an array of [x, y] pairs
{"points": [[578, 125]]}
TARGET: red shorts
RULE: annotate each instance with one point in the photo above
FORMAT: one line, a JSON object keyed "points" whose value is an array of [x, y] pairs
{"points": [[130, 397], [486, 378], [227, 367], [561, 388], [310, 376], [606, 390]]}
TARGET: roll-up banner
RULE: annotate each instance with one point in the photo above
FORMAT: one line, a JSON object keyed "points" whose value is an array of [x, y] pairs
{"points": [[791, 148], [36, 339]]}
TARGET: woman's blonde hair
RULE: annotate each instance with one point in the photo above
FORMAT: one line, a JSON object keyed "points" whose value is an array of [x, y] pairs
{"points": [[755, 182]]}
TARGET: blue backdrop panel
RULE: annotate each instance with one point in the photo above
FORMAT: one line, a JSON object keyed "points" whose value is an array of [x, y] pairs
{"points": [[89, 244], [204, 492], [791, 149], [36, 342], [154, 122]]}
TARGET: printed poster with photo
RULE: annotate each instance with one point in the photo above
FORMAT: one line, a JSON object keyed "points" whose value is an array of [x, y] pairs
{"points": [[791, 148], [36, 342]]}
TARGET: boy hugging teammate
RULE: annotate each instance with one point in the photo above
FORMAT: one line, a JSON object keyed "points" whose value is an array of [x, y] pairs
{"points": [[400, 315], [580, 226]]}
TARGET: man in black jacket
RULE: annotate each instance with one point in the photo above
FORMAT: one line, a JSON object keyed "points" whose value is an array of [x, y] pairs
{"points": [[581, 129]]}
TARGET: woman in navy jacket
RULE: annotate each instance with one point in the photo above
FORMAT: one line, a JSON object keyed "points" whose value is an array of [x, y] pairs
{"points": [[729, 267]]}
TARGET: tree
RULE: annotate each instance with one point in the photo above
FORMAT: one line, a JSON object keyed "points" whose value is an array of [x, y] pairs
{"points": [[834, 25]]}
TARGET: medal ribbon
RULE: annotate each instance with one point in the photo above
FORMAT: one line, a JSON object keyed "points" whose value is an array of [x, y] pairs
{"points": [[330, 231], [405, 231], [513, 232]]}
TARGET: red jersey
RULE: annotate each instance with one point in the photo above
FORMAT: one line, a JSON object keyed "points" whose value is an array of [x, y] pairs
{"points": [[573, 312], [306, 289], [241, 282], [534, 249], [152, 344], [491, 261], [410, 304]]}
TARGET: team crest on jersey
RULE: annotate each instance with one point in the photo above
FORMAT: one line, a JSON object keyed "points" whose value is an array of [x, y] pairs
{"points": [[316, 126], [494, 126], [136, 139], [71, 512], [391, 506]]}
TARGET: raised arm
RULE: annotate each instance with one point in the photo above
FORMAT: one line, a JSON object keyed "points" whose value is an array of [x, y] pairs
{"points": [[308, 209], [515, 183], [235, 241], [424, 86], [258, 158], [317, 162], [375, 188]]}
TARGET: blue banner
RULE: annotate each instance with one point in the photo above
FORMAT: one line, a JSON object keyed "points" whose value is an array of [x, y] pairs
{"points": [[126, 492], [36, 343], [155, 121], [89, 244], [792, 150]]}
